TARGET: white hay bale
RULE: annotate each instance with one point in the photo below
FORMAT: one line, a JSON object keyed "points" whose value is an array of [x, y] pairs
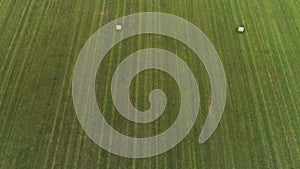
{"points": [[241, 29], [118, 27]]}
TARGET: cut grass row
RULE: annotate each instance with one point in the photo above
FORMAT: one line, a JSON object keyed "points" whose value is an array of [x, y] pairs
{"points": [[40, 41]]}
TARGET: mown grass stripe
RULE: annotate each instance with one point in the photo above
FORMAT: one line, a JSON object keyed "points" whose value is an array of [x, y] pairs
{"points": [[98, 23], [105, 103], [146, 81], [29, 58], [254, 161], [56, 113], [1, 3], [240, 65], [67, 83], [252, 125], [269, 132], [75, 45], [286, 68], [154, 79], [273, 153], [41, 73], [283, 58], [4, 82], [276, 97], [175, 155], [82, 135], [14, 41], [21, 76], [24, 74], [265, 107], [158, 78], [118, 55], [197, 18], [244, 122], [5, 15], [15, 89], [227, 147], [182, 147], [58, 139], [259, 118], [85, 140], [276, 107], [258, 129], [287, 83], [74, 122], [214, 146], [192, 139], [103, 11], [7, 70], [136, 96], [220, 26]]}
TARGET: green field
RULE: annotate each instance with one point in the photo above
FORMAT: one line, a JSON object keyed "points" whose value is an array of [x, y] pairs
{"points": [[40, 42]]}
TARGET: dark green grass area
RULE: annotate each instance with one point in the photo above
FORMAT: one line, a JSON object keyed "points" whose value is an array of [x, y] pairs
{"points": [[40, 41]]}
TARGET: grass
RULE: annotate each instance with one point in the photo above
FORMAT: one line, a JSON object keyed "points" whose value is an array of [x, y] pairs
{"points": [[40, 41]]}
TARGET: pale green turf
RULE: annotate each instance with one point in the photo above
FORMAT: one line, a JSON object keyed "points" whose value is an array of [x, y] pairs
{"points": [[40, 41]]}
